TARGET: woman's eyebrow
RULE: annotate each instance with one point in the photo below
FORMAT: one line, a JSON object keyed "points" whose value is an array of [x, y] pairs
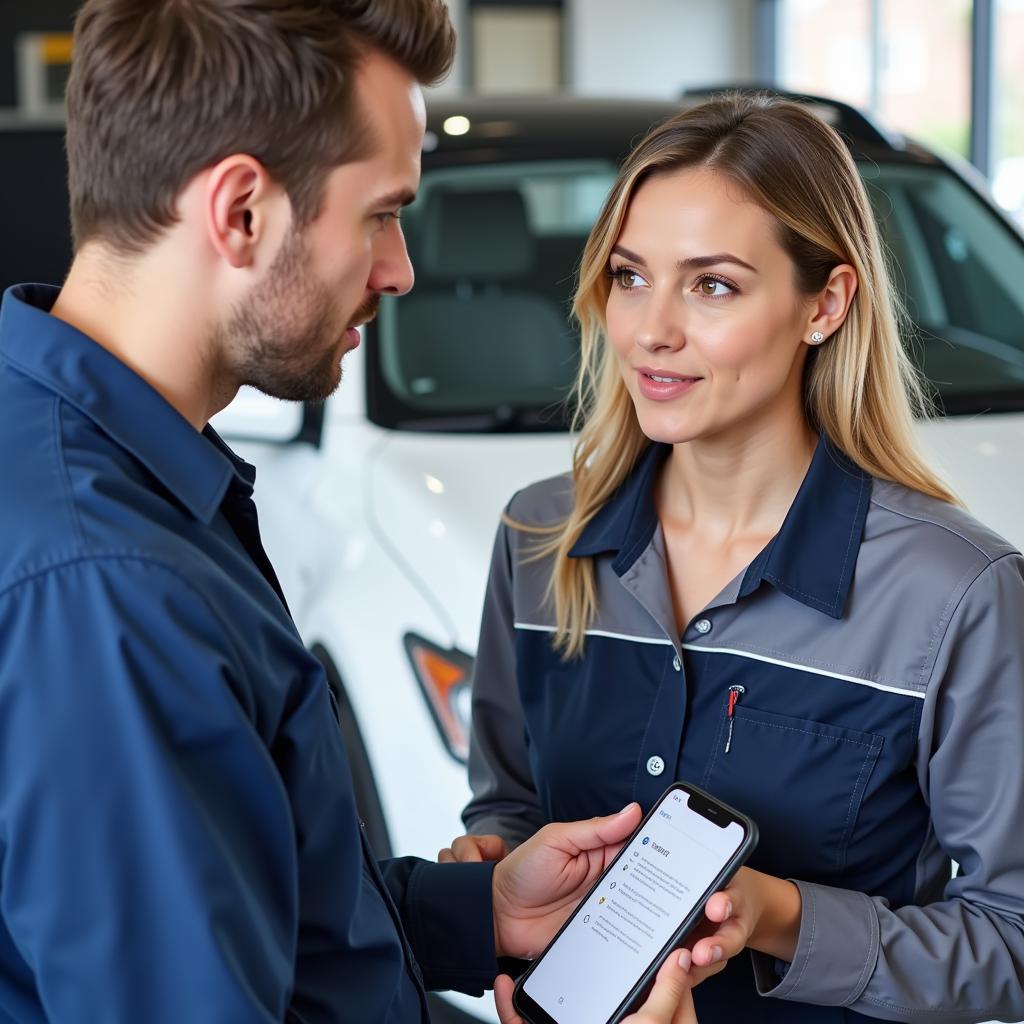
{"points": [[700, 262], [693, 263]]}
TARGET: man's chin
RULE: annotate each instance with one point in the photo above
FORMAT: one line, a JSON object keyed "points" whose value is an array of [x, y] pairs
{"points": [[314, 388]]}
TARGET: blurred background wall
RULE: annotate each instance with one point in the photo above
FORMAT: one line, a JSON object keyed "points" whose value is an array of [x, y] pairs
{"points": [[18, 17]]}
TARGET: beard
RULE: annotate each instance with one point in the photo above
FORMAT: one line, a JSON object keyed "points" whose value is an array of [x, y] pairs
{"points": [[285, 339]]}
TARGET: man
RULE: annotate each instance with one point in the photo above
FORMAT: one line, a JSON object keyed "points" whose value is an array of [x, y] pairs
{"points": [[178, 835]]}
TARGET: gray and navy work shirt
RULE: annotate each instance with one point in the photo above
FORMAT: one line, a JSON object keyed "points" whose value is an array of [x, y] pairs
{"points": [[878, 735]]}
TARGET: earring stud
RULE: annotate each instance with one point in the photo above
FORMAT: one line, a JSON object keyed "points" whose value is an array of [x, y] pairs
{"points": [[817, 338]]}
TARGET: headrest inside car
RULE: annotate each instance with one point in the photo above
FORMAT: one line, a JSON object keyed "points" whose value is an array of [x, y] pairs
{"points": [[475, 236]]}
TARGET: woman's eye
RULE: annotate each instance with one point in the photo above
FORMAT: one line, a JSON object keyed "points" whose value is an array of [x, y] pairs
{"points": [[714, 288], [626, 279]]}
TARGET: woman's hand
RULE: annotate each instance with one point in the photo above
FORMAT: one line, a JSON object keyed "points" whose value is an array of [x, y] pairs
{"points": [[473, 849], [670, 1001], [755, 910]]}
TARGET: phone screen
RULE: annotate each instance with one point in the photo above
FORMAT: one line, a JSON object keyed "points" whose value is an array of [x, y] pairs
{"points": [[635, 910]]}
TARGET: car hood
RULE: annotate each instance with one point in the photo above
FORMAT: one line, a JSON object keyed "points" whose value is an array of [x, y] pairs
{"points": [[436, 501]]}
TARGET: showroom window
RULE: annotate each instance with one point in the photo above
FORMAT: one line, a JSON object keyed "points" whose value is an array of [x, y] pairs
{"points": [[835, 62], [1008, 176], [924, 71], [908, 62]]}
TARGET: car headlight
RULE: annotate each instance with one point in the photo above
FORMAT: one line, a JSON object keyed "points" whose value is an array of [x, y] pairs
{"points": [[444, 677]]}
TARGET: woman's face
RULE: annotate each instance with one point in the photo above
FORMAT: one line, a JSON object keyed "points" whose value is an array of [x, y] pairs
{"points": [[704, 315]]}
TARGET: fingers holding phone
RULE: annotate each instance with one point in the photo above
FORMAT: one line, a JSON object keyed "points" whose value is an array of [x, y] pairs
{"points": [[504, 986], [650, 898], [670, 1000], [722, 934], [755, 910]]}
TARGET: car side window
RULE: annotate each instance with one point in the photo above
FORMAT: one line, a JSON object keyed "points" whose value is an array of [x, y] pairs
{"points": [[957, 267]]}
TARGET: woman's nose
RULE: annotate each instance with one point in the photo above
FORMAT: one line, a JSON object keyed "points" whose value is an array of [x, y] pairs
{"points": [[660, 328]]}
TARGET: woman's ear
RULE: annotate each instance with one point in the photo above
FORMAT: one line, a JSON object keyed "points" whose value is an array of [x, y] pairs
{"points": [[832, 305]]}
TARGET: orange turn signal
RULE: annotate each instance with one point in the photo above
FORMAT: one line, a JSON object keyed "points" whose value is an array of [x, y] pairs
{"points": [[444, 678]]}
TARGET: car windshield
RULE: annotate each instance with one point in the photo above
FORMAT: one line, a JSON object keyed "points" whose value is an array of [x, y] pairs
{"points": [[485, 340]]}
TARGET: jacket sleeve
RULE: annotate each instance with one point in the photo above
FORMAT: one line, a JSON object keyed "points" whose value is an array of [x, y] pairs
{"points": [[447, 912], [960, 959], [504, 799], [147, 853]]}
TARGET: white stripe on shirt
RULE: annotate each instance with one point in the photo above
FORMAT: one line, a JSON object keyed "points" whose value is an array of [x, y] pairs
{"points": [[665, 642]]}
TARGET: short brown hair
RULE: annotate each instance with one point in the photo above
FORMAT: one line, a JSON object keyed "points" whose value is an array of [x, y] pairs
{"points": [[161, 89]]}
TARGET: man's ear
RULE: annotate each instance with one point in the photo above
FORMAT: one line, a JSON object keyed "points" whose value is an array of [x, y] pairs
{"points": [[238, 194]]}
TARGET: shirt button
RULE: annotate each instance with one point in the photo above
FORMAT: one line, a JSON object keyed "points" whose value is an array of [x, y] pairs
{"points": [[677, 664], [655, 765], [702, 626]]}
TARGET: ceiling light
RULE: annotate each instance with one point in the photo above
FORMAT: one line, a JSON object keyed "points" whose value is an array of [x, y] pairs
{"points": [[457, 125]]}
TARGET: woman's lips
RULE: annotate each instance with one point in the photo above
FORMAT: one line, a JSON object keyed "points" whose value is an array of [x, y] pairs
{"points": [[662, 386]]}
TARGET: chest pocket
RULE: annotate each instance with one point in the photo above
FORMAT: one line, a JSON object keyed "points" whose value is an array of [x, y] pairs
{"points": [[801, 781]]}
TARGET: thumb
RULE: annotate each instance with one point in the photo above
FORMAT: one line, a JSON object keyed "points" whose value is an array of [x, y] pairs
{"points": [[670, 1001], [503, 987], [594, 833]]}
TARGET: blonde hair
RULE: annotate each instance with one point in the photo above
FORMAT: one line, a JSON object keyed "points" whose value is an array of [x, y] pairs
{"points": [[861, 390]]}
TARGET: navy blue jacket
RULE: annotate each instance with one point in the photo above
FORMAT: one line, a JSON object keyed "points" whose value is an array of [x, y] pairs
{"points": [[878, 648], [178, 835]]}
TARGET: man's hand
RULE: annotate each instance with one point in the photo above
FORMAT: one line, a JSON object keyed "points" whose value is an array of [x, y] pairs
{"points": [[537, 886], [670, 1001], [755, 910]]}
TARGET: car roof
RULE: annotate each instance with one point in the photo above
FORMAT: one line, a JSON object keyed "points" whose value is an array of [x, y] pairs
{"points": [[562, 126], [549, 127], [852, 123]]}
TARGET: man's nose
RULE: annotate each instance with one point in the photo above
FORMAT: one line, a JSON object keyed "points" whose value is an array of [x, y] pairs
{"points": [[392, 272]]}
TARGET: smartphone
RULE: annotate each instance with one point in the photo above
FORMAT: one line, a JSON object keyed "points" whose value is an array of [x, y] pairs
{"points": [[651, 896]]}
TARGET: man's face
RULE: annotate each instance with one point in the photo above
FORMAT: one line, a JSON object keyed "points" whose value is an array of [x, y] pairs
{"points": [[289, 335]]}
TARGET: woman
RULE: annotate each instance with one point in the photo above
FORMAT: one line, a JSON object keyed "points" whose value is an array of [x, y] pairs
{"points": [[751, 580]]}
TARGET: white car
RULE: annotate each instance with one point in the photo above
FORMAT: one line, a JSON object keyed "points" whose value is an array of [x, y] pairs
{"points": [[379, 507]]}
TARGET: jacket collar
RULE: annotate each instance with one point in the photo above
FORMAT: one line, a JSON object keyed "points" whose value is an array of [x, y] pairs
{"points": [[812, 557], [196, 468]]}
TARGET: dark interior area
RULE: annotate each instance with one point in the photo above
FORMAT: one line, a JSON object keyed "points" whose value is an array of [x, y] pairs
{"points": [[33, 206]]}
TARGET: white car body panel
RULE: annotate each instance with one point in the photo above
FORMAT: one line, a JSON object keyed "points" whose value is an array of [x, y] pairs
{"points": [[983, 458], [446, 538]]}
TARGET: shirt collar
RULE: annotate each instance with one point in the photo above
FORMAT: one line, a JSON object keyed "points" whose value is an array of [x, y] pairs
{"points": [[812, 557], [626, 522], [196, 468]]}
